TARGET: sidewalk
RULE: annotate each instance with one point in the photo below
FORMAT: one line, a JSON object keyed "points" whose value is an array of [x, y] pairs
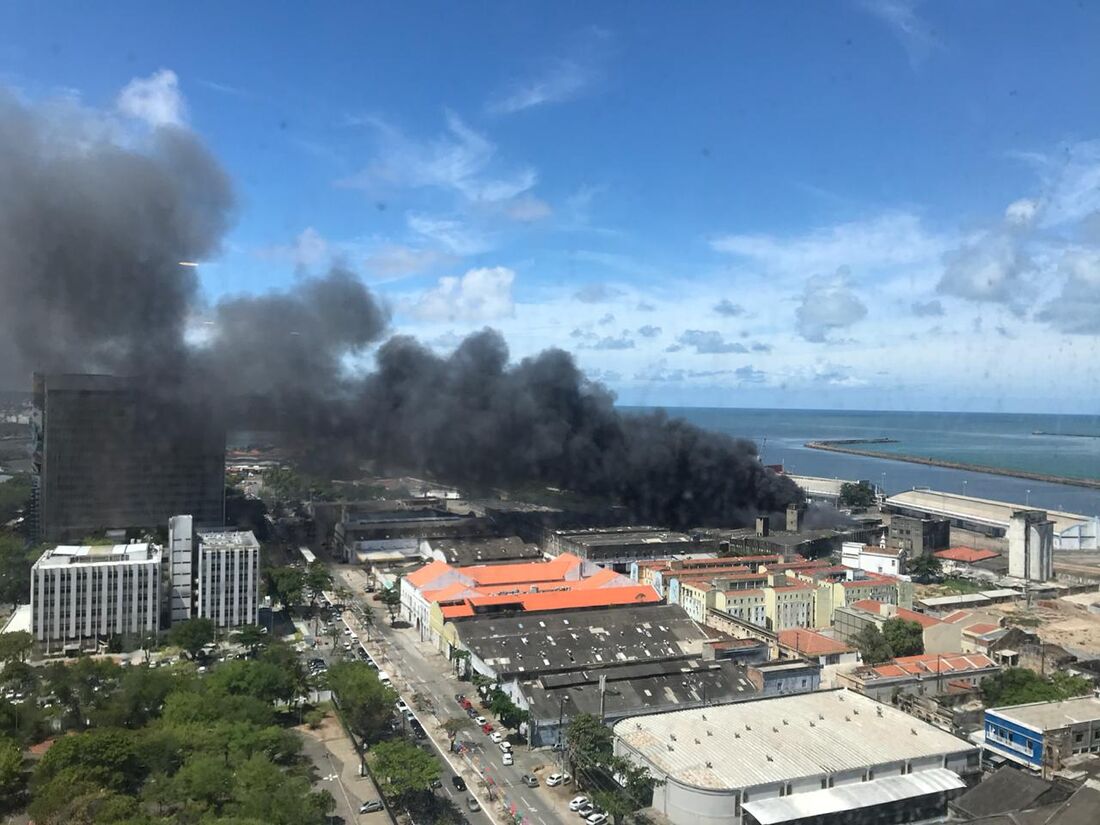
{"points": [[342, 759]]}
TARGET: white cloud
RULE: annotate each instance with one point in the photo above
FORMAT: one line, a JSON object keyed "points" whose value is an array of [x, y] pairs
{"points": [[709, 342], [1021, 212], [902, 19], [729, 308], [896, 239], [155, 99], [308, 250], [1076, 310], [454, 235], [828, 303], [835, 375], [528, 209], [483, 294], [927, 309], [991, 266], [563, 81], [460, 160], [397, 261], [597, 293]]}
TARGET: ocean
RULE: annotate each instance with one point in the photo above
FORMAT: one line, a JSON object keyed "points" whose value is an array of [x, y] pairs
{"points": [[1068, 447]]}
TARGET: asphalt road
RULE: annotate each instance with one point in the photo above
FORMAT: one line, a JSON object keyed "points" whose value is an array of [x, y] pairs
{"points": [[424, 676]]}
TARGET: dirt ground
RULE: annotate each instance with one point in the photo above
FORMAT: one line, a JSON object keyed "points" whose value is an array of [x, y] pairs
{"points": [[1065, 622]]}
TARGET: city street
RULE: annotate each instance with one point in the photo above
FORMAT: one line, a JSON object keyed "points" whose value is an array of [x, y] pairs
{"points": [[417, 668]]}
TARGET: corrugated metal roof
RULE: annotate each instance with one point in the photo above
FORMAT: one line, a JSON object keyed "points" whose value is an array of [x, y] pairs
{"points": [[854, 797], [777, 739]]}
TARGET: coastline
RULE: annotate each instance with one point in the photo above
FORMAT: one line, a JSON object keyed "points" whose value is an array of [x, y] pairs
{"points": [[846, 447]]}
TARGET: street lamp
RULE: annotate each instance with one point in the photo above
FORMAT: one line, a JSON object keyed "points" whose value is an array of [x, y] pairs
{"points": [[1027, 499], [964, 487]]}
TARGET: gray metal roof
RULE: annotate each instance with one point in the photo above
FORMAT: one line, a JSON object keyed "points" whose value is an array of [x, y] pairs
{"points": [[576, 639], [1042, 716], [854, 797], [778, 739], [637, 688]]}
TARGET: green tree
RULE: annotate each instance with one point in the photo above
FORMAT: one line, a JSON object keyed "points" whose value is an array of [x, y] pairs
{"points": [[16, 646], [391, 598], [12, 777], [616, 803], [15, 568], [192, 635], [926, 567], [15, 494], [286, 585], [366, 703], [856, 494], [107, 758], [872, 645], [509, 714], [402, 769], [251, 636], [244, 677], [456, 723], [317, 579], [1018, 686], [905, 637], [587, 742]]}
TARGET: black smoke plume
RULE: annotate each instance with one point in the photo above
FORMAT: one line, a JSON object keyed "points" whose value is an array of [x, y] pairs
{"points": [[94, 224]]}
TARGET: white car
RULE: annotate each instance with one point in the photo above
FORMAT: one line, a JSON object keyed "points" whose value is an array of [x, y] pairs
{"points": [[496, 737], [481, 720], [598, 818], [507, 758], [555, 779], [400, 705], [505, 747], [577, 802]]}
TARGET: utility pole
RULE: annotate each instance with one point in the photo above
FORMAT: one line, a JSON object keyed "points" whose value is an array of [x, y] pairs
{"points": [[561, 732], [603, 696]]}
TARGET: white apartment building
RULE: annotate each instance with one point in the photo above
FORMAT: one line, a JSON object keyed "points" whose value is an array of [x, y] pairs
{"points": [[228, 578], [81, 594]]}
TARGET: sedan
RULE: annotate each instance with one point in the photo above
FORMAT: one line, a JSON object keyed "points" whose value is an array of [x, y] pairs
{"points": [[598, 818], [530, 780], [555, 779], [472, 804], [586, 810], [371, 805], [496, 737], [471, 712], [576, 802], [507, 759], [505, 747], [486, 728], [459, 783], [481, 720]]}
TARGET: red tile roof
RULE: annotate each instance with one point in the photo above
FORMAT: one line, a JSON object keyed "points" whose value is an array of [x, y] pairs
{"points": [[557, 600], [933, 663], [956, 616], [966, 555], [428, 573], [527, 572], [875, 606], [811, 643], [981, 628]]}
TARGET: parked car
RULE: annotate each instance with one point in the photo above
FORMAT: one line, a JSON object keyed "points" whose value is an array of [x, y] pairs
{"points": [[371, 805], [401, 706], [507, 758], [496, 737], [471, 712], [586, 810], [486, 728], [472, 804], [435, 784], [598, 818], [505, 747], [530, 780], [481, 720], [577, 802], [459, 783], [555, 779]]}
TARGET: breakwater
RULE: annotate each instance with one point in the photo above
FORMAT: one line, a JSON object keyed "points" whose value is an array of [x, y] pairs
{"points": [[852, 447]]}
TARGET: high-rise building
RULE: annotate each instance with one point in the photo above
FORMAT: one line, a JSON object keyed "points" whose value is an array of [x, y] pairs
{"points": [[82, 596], [110, 455], [227, 578]]}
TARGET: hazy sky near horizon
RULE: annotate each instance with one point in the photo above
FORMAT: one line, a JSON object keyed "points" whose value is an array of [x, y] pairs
{"points": [[862, 204]]}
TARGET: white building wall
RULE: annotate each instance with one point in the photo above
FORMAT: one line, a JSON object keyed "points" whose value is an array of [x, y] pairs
{"points": [[228, 583], [181, 585]]}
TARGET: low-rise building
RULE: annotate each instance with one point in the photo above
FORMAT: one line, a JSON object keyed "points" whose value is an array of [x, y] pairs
{"points": [[81, 596], [785, 676], [396, 535], [827, 757], [927, 674], [817, 647], [873, 559], [620, 547], [1042, 735], [918, 536], [937, 636], [465, 552]]}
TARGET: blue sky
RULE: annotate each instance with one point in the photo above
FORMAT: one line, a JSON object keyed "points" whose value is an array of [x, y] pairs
{"points": [[879, 204]]}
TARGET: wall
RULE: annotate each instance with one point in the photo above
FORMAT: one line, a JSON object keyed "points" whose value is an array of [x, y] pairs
{"points": [[1012, 740]]}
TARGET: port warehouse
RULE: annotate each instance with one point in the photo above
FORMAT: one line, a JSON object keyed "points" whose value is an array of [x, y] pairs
{"points": [[825, 757], [977, 515]]}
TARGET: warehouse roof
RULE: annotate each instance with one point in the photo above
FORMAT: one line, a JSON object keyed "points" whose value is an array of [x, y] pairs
{"points": [[1042, 716], [640, 687], [573, 639], [461, 552], [978, 510], [772, 740], [853, 797]]}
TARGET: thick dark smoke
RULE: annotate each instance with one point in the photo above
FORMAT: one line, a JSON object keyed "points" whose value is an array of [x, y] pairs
{"points": [[93, 227]]}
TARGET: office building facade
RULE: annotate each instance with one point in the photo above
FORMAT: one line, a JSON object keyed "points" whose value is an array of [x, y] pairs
{"points": [[108, 454], [82, 596], [227, 583]]}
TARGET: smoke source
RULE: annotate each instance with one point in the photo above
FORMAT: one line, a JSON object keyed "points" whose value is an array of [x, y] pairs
{"points": [[94, 221]]}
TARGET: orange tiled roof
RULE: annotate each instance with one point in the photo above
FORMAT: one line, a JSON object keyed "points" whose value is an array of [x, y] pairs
{"points": [[956, 616], [811, 643], [428, 573], [527, 572], [561, 600], [981, 628], [966, 555], [932, 663], [875, 606]]}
